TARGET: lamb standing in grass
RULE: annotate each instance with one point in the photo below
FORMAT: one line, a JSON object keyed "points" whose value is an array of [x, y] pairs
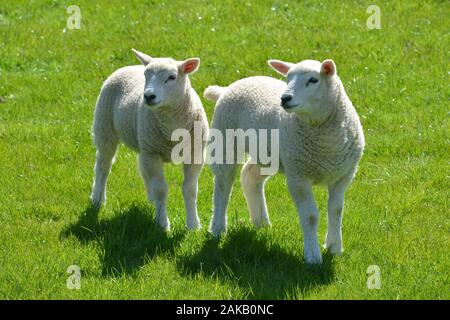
{"points": [[141, 106], [321, 142]]}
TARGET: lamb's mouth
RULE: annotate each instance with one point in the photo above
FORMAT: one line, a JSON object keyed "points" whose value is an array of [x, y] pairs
{"points": [[153, 105], [289, 107]]}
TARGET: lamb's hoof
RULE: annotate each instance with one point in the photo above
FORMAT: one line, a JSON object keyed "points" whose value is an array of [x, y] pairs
{"points": [[313, 259], [194, 226], [334, 249], [217, 231], [165, 225], [97, 201]]}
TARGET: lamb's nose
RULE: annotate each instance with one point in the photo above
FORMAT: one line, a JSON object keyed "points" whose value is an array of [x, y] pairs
{"points": [[149, 97], [285, 99]]}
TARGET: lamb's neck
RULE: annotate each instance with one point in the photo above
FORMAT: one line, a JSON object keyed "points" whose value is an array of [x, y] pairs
{"points": [[337, 106], [178, 115]]}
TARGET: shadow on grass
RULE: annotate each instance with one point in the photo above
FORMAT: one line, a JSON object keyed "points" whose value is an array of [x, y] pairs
{"points": [[261, 270], [128, 240], [244, 258]]}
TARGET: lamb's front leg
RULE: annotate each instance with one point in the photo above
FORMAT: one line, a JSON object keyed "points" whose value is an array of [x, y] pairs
{"points": [[301, 192], [151, 168], [190, 190], [336, 191]]}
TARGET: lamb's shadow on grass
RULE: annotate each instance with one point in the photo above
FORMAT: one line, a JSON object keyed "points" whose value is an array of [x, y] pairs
{"points": [[261, 269], [128, 240]]}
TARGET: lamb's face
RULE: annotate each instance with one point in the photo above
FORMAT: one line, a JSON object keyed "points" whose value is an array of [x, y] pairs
{"points": [[165, 79], [306, 85], [162, 83]]}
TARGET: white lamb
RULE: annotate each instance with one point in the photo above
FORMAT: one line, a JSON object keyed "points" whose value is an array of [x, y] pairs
{"points": [[321, 142], [140, 106]]}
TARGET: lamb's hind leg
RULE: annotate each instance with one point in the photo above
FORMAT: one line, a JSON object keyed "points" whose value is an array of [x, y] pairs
{"points": [[106, 140], [190, 191], [224, 175], [151, 169], [106, 151], [253, 186]]}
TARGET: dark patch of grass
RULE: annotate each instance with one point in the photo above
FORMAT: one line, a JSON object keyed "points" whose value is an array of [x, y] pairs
{"points": [[261, 269], [128, 240]]}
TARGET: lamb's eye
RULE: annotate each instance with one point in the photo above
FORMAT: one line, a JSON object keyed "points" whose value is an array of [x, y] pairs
{"points": [[171, 77], [311, 80]]}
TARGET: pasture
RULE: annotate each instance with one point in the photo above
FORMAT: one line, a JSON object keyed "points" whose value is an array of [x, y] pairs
{"points": [[396, 213]]}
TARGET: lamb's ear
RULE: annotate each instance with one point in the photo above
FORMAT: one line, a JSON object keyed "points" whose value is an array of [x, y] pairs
{"points": [[280, 66], [142, 57], [328, 67], [189, 66]]}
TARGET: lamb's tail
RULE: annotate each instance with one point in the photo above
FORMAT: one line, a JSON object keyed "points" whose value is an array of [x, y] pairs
{"points": [[213, 93]]}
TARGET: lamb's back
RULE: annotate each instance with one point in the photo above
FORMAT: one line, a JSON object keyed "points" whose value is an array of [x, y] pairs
{"points": [[250, 103], [125, 88]]}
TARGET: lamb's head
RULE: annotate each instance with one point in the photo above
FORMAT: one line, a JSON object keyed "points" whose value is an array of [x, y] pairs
{"points": [[166, 80], [310, 85]]}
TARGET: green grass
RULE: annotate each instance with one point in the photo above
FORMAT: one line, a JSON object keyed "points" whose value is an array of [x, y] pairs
{"points": [[397, 214]]}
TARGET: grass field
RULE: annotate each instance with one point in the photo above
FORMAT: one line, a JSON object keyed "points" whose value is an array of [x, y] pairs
{"points": [[397, 213]]}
